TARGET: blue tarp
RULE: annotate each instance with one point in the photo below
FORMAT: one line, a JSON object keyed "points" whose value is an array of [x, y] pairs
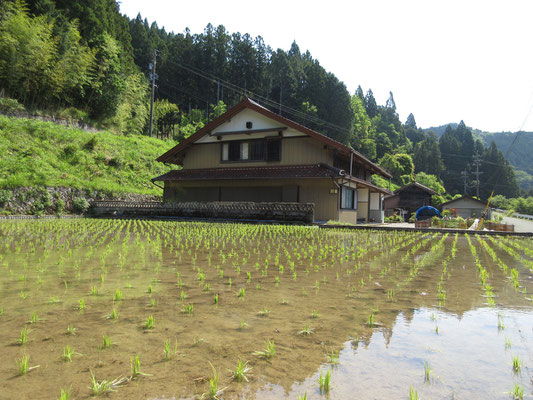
{"points": [[426, 212]]}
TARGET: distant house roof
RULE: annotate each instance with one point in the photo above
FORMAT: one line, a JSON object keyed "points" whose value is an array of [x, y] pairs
{"points": [[271, 172], [415, 184], [169, 156], [481, 203]]}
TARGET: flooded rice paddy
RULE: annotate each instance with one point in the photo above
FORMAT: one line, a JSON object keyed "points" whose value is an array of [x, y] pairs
{"points": [[158, 310]]}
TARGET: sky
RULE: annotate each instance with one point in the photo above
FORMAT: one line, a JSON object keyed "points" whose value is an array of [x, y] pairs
{"points": [[444, 61]]}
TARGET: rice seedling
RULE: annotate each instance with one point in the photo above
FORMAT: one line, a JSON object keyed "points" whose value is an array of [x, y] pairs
{"points": [[68, 352], [517, 392], [104, 386], [65, 394], [149, 323], [71, 331], [214, 392], [113, 315], [94, 291], [215, 298], [324, 382], [106, 343], [315, 314], [413, 394], [183, 295], [302, 397], [243, 325], [23, 295], [241, 292], [284, 302], [427, 372], [517, 364], [306, 331], [81, 304], [34, 318], [136, 368], [168, 350], [241, 372], [333, 357], [188, 309], [23, 365], [501, 325], [370, 321], [197, 341], [54, 300], [149, 291], [23, 339], [118, 296], [264, 312], [507, 343], [152, 302], [268, 353]]}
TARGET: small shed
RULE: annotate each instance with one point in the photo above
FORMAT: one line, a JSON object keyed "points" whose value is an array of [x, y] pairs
{"points": [[407, 199], [466, 207]]}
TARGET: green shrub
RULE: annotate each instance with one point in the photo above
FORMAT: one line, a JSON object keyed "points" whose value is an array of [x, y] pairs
{"points": [[60, 206], [80, 204], [435, 221], [91, 144], [73, 114], [5, 197], [10, 106]]}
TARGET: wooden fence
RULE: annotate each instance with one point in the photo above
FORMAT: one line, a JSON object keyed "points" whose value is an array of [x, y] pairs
{"points": [[211, 210]]}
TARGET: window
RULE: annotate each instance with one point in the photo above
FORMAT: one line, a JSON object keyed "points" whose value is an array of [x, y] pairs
{"points": [[348, 198], [273, 149], [268, 149], [257, 150]]}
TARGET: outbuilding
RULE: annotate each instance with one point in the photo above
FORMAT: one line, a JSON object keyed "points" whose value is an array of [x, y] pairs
{"points": [[466, 207]]}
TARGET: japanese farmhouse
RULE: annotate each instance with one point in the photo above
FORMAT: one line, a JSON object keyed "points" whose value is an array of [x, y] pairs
{"points": [[251, 154]]}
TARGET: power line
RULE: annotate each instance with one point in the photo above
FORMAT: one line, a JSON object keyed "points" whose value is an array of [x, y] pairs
{"points": [[265, 100]]}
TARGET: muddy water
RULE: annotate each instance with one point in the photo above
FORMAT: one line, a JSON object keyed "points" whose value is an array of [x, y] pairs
{"points": [[385, 302]]}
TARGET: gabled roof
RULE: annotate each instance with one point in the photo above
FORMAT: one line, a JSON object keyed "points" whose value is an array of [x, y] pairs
{"points": [[415, 184], [481, 203], [252, 105]]}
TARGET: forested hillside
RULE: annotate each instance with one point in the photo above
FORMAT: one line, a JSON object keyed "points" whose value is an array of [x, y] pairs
{"points": [[84, 60]]}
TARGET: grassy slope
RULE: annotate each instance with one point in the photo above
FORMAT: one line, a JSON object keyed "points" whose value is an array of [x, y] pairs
{"points": [[35, 153]]}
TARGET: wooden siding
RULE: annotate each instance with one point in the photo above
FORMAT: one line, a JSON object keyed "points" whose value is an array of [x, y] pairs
{"points": [[318, 192], [294, 151]]}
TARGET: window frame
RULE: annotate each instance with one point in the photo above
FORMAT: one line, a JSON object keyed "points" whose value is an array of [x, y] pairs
{"points": [[248, 152], [353, 197]]}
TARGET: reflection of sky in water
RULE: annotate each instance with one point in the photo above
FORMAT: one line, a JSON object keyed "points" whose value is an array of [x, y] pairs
{"points": [[468, 359]]}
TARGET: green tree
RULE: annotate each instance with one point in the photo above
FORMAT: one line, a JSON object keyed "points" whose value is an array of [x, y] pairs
{"points": [[431, 181], [427, 156]]}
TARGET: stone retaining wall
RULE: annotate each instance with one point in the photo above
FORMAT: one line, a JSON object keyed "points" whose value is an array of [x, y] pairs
{"points": [[218, 210]]}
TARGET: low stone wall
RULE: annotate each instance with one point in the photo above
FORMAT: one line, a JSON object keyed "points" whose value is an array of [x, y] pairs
{"points": [[218, 210]]}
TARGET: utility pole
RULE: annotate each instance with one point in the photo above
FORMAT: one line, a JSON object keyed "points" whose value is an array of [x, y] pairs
{"points": [[477, 161], [153, 77], [464, 174]]}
